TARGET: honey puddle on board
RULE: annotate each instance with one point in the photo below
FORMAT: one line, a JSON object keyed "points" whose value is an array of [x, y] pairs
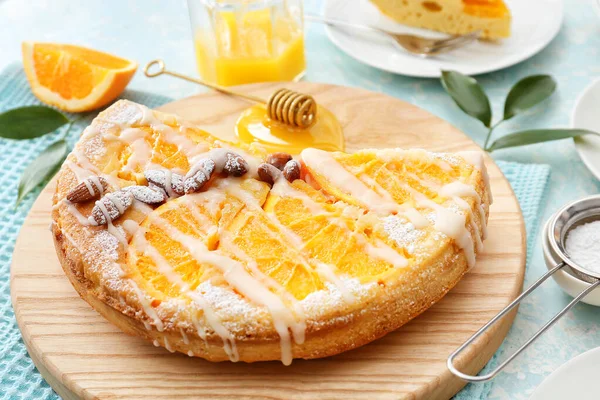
{"points": [[254, 126]]}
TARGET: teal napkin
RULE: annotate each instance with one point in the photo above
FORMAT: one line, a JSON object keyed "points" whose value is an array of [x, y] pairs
{"points": [[19, 379]]}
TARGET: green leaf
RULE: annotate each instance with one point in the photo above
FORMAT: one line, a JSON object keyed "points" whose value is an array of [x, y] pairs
{"points": [[42, 168], [536, 136], [527, 93], [30, 122], [468, 95]]}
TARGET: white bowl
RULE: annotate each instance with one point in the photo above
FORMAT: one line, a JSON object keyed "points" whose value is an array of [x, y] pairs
{"points": [[570, 284], [573, 380]]}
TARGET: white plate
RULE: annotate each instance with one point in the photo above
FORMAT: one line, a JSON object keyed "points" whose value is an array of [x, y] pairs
{"points": [[586, 116], [531, 32], [573, 380]]}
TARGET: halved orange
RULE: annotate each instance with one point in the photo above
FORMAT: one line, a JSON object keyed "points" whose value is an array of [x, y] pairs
{"points": [[75, 78]]}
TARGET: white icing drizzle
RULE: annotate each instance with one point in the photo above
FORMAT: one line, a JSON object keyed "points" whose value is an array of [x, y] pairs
{"points": [[386, 253], [112, 229], [459, 189], [168, 183], [89, 186], [80, 173], [190, 353], [184, 336], [168, 346], [456, 190], [228, 345], [198, 219], [477, 233], [91, 182], [482, 218], [118, 233], [380, 190], [237, 276], [218, 155], [415, 217], [411, 213], [169, 273], [117, 202], [83, 161], [179, 139], [389, 155], [475, 158], [211, 200], [282, 188], [141, 152], [323, 163], [146, 306], [450, 224], [130, 226], [269, 283], [441, 163], [147, 117], [324, 270], [379, 250], [72, 209]]}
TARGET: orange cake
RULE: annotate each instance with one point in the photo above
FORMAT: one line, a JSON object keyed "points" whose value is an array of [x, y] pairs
{"points": [[457, 17], [226, 252]]}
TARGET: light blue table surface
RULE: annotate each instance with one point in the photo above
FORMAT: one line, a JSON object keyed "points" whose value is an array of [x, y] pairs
{"points": [[147, 29]]}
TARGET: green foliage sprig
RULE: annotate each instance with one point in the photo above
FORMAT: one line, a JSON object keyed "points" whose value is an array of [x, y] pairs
{"points": [[470, 97], [31, 122]]}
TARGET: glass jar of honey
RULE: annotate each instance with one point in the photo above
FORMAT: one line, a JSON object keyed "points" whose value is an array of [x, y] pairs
{"points": [[247, 41]]}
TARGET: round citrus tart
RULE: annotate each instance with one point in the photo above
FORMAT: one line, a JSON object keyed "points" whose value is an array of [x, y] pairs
{"points": [[228, 253]]}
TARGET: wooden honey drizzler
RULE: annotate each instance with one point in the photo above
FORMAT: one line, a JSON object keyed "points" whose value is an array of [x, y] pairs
{"points": [[296, 110]]}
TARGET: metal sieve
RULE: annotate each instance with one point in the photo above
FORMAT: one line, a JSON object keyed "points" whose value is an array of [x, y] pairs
{"points": [[570, 216]]}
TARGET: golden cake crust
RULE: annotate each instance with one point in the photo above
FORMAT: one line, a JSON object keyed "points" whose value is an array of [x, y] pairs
{"points": [[91, 256]]}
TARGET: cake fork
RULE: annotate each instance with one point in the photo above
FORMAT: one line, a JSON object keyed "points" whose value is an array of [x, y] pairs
{"points": [[412, 43]]}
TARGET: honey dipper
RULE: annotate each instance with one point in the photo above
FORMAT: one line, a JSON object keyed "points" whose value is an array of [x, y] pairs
{"points": [[286, 106]]}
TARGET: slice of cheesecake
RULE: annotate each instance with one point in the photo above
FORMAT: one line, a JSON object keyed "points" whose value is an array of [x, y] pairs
{"points": [[492, 17]]}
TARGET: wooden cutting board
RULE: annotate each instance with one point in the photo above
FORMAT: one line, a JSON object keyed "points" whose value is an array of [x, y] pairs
{"points": [[83, 356]]}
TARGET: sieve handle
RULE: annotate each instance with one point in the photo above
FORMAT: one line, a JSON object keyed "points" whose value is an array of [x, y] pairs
{"points": [[490, 375]]}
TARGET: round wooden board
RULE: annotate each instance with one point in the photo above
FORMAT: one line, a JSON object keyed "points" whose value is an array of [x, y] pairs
{"points": [[84, 356]]}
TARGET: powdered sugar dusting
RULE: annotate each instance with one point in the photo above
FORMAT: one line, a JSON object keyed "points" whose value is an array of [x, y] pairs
{"points": [[109, 244], [583, 245], [318, 303], [226, 302], [449, 158], [94, 148], [147, 194], [124, 113], [402, 232]]}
